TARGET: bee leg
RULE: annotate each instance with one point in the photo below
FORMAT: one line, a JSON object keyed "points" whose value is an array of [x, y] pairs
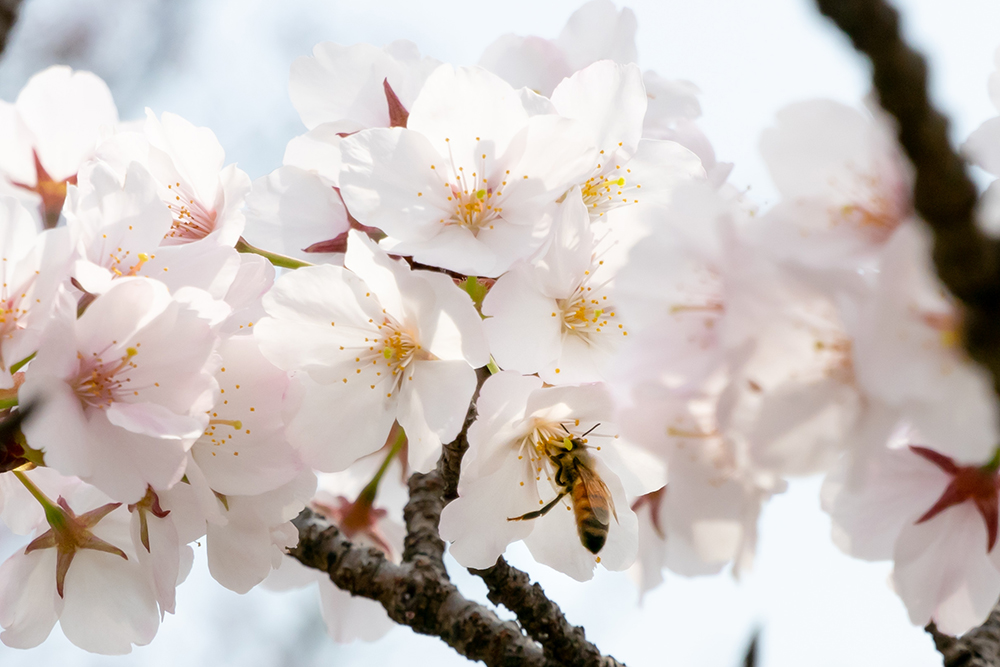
{"points": [[538, 513]]}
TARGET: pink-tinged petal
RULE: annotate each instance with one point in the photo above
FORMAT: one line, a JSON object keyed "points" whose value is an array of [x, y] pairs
{"points": [[339, 423], [65, 111], [457, 249], [982, 146], [125, 464], [819, 145], [290, 209], [557, 152], [459, 105], [661, 167], [390, 180], [598, 31], [590, 404], [502, 402], [345, 82], [162, 559], [450, 327], [942, 571], [349, 618], [29, 605], [900, 484], [59, 413], [432, 407], [206, 266], [108, 606], [524, 326], [800, 426], [155, 421], [305, 308], [526, 62], [378, 271], [179, 149], [318, 151], [253, 458], [709, 510], [580, 360], [234, 558], [476, 523], [610, 100], [17, 160], [555, 542]]}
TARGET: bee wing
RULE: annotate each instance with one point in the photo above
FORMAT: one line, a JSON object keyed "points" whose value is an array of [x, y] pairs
{"points": [[600, 495]]}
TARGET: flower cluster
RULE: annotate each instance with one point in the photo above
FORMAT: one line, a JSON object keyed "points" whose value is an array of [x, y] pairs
{"points": [[661, 354]]}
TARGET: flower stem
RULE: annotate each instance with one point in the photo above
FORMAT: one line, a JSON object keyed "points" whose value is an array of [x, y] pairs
{"points": [[368, 493], [53, 513], [19, 365], [492, 367], [283, 261]]}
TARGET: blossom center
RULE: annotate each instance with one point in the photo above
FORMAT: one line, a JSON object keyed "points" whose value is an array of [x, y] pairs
{"points": [[609, 189], [473, 197], [100, 383], [586, 312], [191, 219]]}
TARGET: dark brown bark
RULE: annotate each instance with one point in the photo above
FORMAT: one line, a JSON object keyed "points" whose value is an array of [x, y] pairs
{"points": [[562, 642], [8, 17], [967, 261], [418, 592], [978, 648]]}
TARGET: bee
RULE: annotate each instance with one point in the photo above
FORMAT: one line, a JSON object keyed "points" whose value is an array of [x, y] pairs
{"points": [[593, 505]]}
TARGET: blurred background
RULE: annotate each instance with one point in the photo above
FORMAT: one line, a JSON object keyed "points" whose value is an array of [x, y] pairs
{"points": [[224, 64]]}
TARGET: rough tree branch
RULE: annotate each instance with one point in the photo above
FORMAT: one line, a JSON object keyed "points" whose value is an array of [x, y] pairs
{"points": [[8, 17], [418, 592], [967, 261], [563, 642]]}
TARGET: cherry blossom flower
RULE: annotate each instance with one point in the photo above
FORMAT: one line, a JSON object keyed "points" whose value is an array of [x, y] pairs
{"points": [[554, 317], [935, 518], [366, 503], [466, 184], [82, 571], [375, 342], [48, 133], [32, 267], [513, 468], [846, 185], [203, 196], [595, 31], [907, 353], [127, 387]]}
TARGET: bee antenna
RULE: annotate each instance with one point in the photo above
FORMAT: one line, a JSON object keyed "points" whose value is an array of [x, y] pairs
{"points": [[590, 430], [565, 429]]}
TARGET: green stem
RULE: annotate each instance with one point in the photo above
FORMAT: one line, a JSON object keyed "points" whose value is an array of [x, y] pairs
{"points": [[283, 261], [45, 501], [19, 365], [492, 367], [54, 514], [8, 402], [368, 493], [994, 463]]}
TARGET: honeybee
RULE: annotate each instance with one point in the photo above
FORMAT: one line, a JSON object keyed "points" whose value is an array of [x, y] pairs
{"points": [[593, 505]]}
